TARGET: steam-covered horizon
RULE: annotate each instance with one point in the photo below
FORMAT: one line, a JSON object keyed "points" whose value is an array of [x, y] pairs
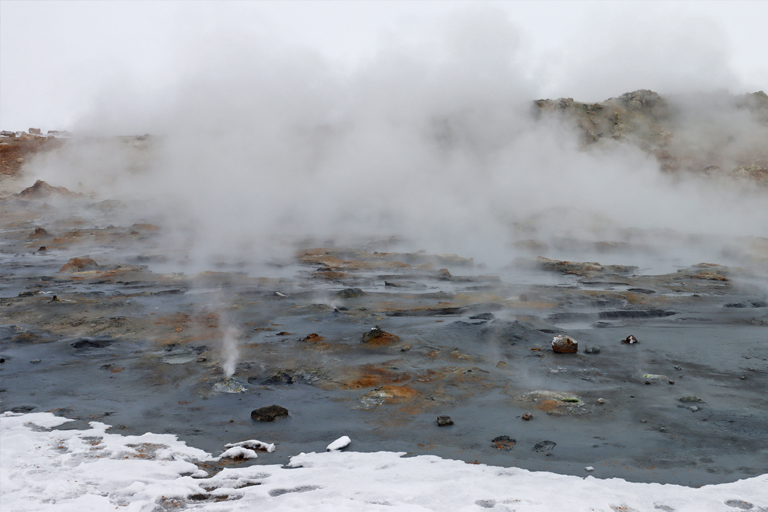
{"points": [[428, 135]]}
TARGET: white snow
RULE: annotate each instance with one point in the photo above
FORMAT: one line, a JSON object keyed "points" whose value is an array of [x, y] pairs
{"points": [[93, 470], [338, 444]]}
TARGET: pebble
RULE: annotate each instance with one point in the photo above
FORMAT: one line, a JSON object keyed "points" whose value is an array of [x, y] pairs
{"points": [[671, 382], [601, 401], [527, 416], [589, 468], [35, 361], [743, 377], [444, 421]]}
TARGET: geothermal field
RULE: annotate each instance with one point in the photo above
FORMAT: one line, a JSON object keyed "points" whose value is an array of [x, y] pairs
{"points": [[268, 282], [368, 256]]}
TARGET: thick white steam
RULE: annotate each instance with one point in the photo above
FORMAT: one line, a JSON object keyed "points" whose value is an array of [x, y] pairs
{"points": [[259, 142]]}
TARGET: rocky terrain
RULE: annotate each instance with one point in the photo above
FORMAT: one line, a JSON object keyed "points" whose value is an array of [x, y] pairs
{"points": [[708, 135]]}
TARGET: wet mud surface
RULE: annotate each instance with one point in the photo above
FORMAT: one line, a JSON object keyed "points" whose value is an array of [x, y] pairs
{"points": [[376, 344]]}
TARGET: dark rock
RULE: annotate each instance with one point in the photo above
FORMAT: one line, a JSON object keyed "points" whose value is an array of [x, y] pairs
{"points": [[350, 293], [544, 446], [23, 409], [641, 290], [527, 416], [504, 443], [270, 413], [632, 313], [444, 421], [92, 343], [483, 316]]}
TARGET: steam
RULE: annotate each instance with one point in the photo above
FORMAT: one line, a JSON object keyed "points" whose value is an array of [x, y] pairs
{"points": [[260, 143], [229, 350]]}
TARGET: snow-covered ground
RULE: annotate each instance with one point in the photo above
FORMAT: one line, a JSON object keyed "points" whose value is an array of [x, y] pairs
{"points": [[93, 470]]}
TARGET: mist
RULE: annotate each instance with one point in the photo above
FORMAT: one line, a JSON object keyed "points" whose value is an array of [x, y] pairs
{"points": [[258, 143]]}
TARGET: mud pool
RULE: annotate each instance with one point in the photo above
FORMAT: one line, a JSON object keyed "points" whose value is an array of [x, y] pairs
{"points": [[134, 339]]}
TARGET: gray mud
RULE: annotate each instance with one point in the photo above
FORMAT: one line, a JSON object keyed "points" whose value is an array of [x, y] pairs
{"points": [[139, 347]]}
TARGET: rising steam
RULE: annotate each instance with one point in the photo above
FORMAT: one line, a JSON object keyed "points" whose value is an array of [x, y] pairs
{"points": [[259, 142], [229, 350]]}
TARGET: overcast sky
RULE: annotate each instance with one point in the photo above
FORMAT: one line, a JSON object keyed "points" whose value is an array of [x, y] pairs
{"points": [[59, 60]]}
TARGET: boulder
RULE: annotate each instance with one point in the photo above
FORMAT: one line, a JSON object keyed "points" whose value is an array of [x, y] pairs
{"points": [[563, 344], [77, 264]]}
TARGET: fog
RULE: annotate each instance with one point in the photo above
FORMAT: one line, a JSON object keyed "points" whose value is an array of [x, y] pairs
{"points": [[257, 143]]}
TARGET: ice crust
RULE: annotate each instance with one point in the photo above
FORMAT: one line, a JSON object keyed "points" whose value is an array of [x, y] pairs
{"points": [[76, 470]]}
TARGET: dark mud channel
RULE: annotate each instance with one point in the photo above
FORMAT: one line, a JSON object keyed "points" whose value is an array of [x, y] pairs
{"points": [[127, 342]]}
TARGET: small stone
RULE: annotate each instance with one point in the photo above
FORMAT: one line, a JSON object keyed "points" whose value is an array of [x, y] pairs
{"points": [[527, 416], [35, 361], [563, 344], [270, 413], [662, 429], [406, 348], [694, 408], [592, 349], [501, 364], [647, 383], [690, 399], [589, 468], [643, 421], [444, 421], [743, 377], [671, 382], [601, 401], [629, 340]]}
